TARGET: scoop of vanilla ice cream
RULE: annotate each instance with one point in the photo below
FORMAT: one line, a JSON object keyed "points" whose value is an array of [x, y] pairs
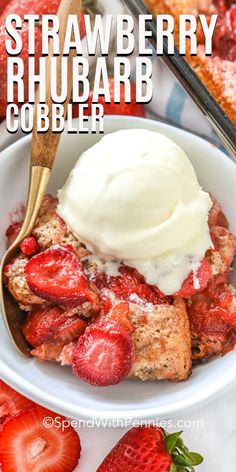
{"points": [[134, 197]]}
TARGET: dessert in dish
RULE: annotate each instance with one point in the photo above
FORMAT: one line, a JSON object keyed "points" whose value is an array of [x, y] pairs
{"points": [[89, 278], [218, 71]]}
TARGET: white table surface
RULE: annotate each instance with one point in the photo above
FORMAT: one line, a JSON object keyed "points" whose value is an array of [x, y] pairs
{"points": [[214, 438]]}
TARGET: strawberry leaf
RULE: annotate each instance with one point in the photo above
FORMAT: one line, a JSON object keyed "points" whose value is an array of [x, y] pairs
{"points": [[183, 460], [171, 441], [196, 458], [184, 469], [173, 468]]}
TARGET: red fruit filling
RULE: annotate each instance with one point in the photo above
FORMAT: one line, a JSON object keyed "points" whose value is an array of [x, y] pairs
{"points": [[117, 311], [130, 283], [29, 246], [196, 283], [12, 232], [212, 313]]}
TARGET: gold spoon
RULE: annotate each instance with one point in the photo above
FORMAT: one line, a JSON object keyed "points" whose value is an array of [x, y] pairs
{"points": [[43, 152]]}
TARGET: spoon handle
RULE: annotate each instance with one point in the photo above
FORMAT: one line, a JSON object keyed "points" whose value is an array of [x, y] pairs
{"points": [[44, 145]]}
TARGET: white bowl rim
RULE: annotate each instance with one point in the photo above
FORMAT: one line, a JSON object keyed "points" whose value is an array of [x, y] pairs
{"points": [[64, 408]]}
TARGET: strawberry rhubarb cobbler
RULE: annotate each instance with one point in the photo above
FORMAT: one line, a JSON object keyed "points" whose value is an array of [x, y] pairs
{"points": [[101, 315]]}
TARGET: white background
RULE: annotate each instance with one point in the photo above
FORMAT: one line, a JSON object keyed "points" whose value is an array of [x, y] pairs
{"points": [[215, 439]]}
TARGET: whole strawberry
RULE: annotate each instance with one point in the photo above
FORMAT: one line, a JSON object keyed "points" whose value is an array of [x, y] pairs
{"points": [[122, 108], [150, 449]]}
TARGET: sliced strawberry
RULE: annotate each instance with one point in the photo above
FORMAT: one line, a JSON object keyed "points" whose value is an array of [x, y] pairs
{"points": [[29, 246], [71, 329], [51, 324], [42, 324], [104, 354], [196, 283], [57, 275], [26, 445], [11, 402], [12, 232]]}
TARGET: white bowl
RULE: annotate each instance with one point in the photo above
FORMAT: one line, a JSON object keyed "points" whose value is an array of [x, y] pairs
{"points": [[56, 387]]}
